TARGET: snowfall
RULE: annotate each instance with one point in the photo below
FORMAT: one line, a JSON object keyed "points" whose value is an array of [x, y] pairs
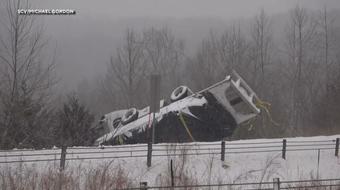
{"points": [[257, 160]]}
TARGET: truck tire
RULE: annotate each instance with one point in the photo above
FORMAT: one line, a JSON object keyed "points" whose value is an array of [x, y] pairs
{"points": [[179, 93], [129, 116], [116, 122]]}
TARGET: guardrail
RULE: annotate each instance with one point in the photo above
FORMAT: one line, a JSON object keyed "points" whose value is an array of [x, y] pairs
{"points": [[275, 185], [159, 150]]}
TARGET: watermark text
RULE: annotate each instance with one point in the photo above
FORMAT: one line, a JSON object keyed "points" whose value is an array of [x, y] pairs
{"points": [[46, 12]]}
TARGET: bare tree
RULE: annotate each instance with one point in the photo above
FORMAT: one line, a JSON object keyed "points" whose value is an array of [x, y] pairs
{"points": [[325, 26], [26, 78], [300, 35], [325, 30], [218, 56], [206, 59], [233, 50], [260, 53], [327, 98], [260, 47], [164, 54], [154, 51], [128, 69]]}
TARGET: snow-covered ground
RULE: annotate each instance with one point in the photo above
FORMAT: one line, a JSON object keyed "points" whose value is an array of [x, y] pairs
{"points": [[244, 160]]}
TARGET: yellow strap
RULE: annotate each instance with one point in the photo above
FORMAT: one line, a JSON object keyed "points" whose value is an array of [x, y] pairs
{"points": [[265, 106], [120, 140], [185, 126]]}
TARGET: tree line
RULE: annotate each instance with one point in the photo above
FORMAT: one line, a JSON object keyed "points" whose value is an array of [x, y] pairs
{"points": [[296, 72]]}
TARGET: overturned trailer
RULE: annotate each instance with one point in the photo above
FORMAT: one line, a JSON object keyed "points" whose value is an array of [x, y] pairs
{"points": [[208, 115]]}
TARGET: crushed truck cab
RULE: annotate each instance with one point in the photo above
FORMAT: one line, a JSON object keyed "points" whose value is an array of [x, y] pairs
{"points": [[208, 115]]}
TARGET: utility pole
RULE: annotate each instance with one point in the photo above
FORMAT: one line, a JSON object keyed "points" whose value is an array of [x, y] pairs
{"points": [[155, 80]]}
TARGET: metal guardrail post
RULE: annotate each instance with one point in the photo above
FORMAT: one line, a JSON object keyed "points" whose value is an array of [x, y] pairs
{"points": [[276, 184], [284, 146], [337, 146], [63, 157], [155, 86], [172, 175], [317, 171], [223, 150], [149, 154]]}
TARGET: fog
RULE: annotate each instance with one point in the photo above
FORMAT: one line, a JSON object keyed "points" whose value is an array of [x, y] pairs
{"points": [[227, 9], [86, 40], [101, 58]]}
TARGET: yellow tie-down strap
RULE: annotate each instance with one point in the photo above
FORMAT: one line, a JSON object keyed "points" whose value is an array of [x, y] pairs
{"points": [[181, 118], [264, 106], [120, 140]]}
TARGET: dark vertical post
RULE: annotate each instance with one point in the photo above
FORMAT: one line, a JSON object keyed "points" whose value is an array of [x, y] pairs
{"points": [[276, 184], [154, 107], [143, 185], [284, 145], [155, 88], [172, 174], [317, 173], [149, 154], [337, 146], [63, 157], [149, 145], [153, 126], [223, 150]]}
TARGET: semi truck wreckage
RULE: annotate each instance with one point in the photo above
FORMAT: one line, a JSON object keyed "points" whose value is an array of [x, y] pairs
{"points": [[208, 115]]}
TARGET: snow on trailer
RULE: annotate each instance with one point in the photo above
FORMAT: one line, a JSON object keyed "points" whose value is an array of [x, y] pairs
{"points": [[208, 115]]}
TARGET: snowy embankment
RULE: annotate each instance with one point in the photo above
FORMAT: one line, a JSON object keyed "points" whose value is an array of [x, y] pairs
{"points": [[256, 160]]}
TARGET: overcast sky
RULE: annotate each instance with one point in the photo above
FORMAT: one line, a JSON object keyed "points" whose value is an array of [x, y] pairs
{"points": [[180, 8], [86, 40]]}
